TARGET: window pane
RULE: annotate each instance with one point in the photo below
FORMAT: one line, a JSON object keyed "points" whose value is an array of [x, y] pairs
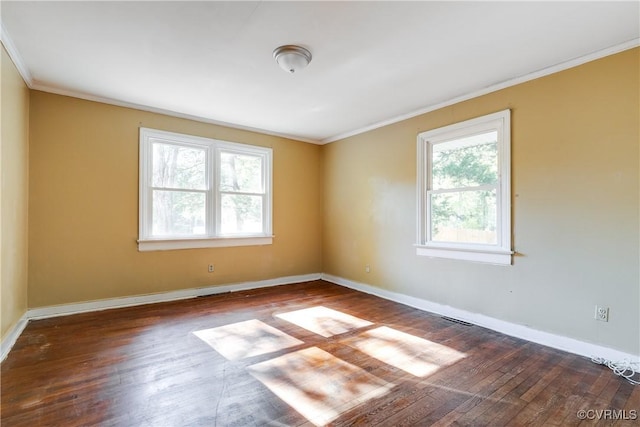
{"points": [[175, 166], [178, 213], [464, 217], [240, 172], [466, 162], [241, 214]]}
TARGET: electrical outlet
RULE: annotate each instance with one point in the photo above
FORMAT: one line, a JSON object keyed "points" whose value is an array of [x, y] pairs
{"points": [[367, 269], [210, 268], [602, 313]]}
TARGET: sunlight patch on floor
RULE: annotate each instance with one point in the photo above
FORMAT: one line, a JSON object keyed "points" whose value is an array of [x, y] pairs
{"points": [[324, 321], [246, 339], [414, 355], [317, 384]]}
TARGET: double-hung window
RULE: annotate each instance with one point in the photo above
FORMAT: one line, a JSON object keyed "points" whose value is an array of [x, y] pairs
{"points": [[198, 192], [464, 191]]}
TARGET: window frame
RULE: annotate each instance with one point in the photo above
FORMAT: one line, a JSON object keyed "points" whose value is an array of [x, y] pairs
{"points": [[212, 236], [499, 253]]}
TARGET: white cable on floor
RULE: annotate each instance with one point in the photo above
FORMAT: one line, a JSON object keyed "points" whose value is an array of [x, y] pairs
{"points": [[625, 369]]}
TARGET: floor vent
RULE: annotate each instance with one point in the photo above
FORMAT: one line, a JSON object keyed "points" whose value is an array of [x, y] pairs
{"points": [[461, 322], [213, 295]]}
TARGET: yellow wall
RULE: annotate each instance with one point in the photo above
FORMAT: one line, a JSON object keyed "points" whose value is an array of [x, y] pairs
{"points": [[576, 200], [575, 185], [84, 208], [14, 155]]}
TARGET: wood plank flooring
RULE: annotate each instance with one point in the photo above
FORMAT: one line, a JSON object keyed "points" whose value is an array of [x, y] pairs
{"points": [[253, 358]]}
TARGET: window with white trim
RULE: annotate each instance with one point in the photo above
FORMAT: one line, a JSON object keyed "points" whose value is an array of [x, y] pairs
{"points": [[198, 192], [464, 190]]}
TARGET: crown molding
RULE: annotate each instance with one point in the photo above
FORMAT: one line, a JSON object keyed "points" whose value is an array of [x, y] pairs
{"points": [[26, 75], [493, 88], [142, 107], [15, 56]]}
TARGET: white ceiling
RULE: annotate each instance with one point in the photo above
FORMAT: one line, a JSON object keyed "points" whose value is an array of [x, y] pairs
{"points": [[373, 62]]}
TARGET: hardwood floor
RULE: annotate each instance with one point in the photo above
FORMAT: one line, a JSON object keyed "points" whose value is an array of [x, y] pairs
{"points": [[304, 354]]}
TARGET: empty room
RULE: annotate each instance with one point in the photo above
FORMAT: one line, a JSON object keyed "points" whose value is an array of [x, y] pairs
{"points": [[253, 213]]}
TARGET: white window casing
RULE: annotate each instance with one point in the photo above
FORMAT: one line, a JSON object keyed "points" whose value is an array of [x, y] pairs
{"points": [[496, 251], [207, 189]]}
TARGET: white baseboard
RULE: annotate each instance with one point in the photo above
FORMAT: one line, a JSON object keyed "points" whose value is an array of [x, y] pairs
{"points": [[106, 304], [559, 342], [66, 309], [10, 339], [570, 345]]}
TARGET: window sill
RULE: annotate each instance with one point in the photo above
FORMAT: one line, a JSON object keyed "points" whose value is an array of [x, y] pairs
{"points": [[499, 257], [197, 243]]}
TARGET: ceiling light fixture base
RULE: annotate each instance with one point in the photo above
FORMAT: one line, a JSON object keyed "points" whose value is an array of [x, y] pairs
{"points": [[292, 58]]}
